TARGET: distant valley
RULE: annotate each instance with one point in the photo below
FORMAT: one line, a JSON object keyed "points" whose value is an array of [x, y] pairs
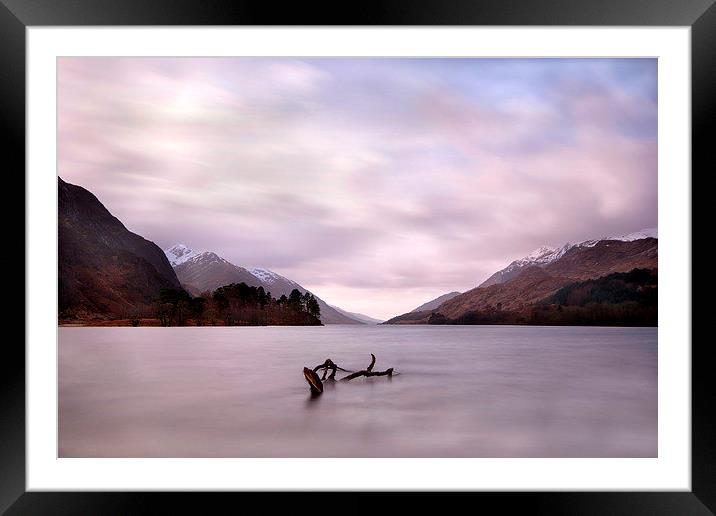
{"points": [[107, 273], [360, 317]]}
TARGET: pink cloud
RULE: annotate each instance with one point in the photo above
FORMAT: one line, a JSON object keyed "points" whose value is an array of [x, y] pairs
{"points": [[364, 179]]}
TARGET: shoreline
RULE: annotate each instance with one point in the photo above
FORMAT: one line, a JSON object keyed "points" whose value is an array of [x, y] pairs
{"points": [[126, 324], [155, 323]]}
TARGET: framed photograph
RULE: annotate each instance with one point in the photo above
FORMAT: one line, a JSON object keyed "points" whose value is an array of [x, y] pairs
{"points": [[417, 248]]}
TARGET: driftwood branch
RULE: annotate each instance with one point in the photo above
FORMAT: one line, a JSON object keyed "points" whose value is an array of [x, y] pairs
{"points": [[372, 362], [316, 383], [329, 365], [368, 371], [387, 372]]}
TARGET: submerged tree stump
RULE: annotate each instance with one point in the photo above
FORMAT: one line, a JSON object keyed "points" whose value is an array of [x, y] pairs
{"points": [[316, 383]]}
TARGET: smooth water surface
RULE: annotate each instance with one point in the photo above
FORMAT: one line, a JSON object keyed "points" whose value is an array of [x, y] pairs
{"points": [[462, 391]]}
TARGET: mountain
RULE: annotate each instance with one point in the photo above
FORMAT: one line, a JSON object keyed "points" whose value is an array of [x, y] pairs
{"points": [[430, 305], [545, 255], [207, 271], [280, 285], [527, 284], [358, 317], [179, 254], [539, 257], [105, 270], [201, 271], [275, 283]]}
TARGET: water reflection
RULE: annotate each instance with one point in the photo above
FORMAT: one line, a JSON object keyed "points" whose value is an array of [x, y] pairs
{"points": [[463, 391]]}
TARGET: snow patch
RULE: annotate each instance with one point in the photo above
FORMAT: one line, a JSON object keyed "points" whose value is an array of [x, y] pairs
{"points": [[540, 256], [179, 254], [545, 255], [638, 235], [269, 277], [207, 258]]}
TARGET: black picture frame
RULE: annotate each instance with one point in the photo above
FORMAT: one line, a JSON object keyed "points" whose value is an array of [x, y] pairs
{"points": [[17, 15]]}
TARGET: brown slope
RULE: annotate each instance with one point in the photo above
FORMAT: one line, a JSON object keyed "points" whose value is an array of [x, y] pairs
{"points": [[208, 271], [606, 257], [411, 318], [280, 285], [434, 303], [535, 283], [530, 286], [104, 269]]}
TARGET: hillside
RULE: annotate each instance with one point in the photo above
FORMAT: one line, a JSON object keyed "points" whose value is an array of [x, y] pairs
{"points": [[366, 319], [206, 271], [517, 297], [105, 270], [545, 255], [434, 303]]}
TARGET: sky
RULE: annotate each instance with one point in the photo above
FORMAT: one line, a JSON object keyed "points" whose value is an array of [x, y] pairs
{"points": [[376, 183]]}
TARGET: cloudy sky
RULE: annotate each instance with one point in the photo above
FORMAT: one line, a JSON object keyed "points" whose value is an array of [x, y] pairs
{"points": [[376, 183]]}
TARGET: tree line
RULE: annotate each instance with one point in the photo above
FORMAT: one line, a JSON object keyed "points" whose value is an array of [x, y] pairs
{"points": [[237, 304]]}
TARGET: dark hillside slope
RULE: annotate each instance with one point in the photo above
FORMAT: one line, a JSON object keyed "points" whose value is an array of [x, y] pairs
{"points": [[105, 270]]}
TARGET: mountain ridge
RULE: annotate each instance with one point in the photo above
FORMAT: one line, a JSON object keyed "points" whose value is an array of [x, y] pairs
{"points": [[434, 303], [204, 271], [544, 272], [545, 255]]}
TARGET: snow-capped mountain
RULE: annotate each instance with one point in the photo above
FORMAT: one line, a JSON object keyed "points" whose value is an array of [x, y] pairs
{"points": [[270, 277], [545, 255], [540, 257], [205, 271], [519, 290], [180, 253]]}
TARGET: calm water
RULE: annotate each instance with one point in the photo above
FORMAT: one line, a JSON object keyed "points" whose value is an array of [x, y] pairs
{"points": [[470, 391]]}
